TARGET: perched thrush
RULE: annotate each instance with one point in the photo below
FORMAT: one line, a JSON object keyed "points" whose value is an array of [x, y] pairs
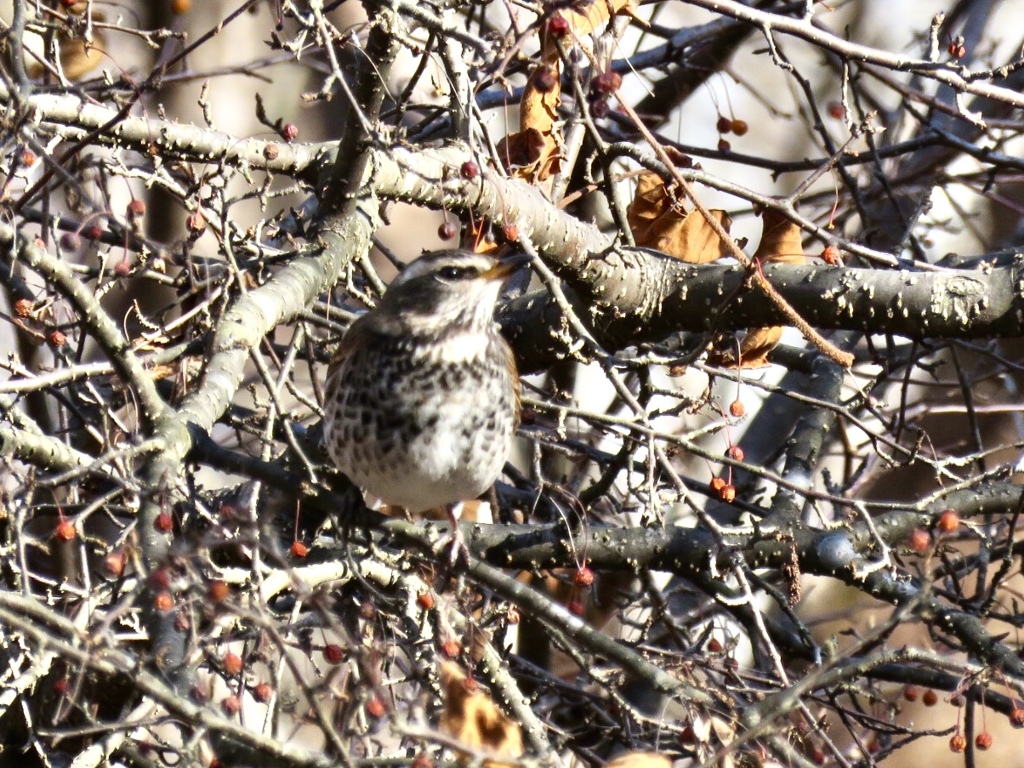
{"points": [[422, 397]]}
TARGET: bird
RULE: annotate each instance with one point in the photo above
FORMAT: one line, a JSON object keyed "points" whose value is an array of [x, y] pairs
{"points": [[421, 400]]}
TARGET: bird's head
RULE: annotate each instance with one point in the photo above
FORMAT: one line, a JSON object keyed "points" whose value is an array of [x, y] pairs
{"points": [[446, 290]]}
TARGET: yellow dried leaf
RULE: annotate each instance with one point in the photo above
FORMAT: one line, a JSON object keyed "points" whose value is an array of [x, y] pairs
{"points": [[640, 760], [597, 13], [77, 58], [472, 719]]}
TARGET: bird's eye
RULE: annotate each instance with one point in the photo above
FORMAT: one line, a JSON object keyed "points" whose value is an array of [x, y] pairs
{"points": [[457, 273]]}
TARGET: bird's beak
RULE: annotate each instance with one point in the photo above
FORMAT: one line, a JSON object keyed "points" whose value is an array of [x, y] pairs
{"points": [[506, 267]]}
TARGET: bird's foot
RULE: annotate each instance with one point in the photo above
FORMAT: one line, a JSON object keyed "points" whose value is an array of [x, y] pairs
{"points": [[454, 542]]}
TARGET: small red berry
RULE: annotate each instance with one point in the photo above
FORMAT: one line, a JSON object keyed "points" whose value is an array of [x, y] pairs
{"points": [[195, 222], [425, 600], [61, 686], [93, 232], [70, 241], [836, 110], [599, 108], [451, 648], [714, 645], [735, 452], [545, 79], [576, 607], [298, 549], [558, 25], [375, 708], [263, 692], [724, 145], [164, 522], [164, 602], [114, 563], [56, 338], [334, 653], [136, 207], [736, 408], [958, 743], [218, 591], [717, 484], [27, 157], [949, 521], [469, 170], [231, 704], [724, 124], [831, 255], [23, 307], [911, 692], [123, 268], [740, 127], [160, 579], [584, 577], [271, 151], [65, 530], [920, 541], [290, 132], [511, 232], [930, 698], [728, 493], [232, 663], [447, 230], [422, 760], [983, 741], [1017, 717], [607, 82]]}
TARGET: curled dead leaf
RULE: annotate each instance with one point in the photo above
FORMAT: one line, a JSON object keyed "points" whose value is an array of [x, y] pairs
{"points": [[471, 718], [781, 240], [658, 221], [533, 153]]}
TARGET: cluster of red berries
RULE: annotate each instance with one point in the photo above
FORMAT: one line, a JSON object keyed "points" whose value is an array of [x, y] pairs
{"points": [[724, 126]]}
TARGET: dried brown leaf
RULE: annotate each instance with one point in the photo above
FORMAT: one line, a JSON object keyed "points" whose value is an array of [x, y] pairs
{"points": [[658, 221], [687, 236], [757, 344], [532, 154], [593, 15], [781, 240], [77, 58], [472, 719]]}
